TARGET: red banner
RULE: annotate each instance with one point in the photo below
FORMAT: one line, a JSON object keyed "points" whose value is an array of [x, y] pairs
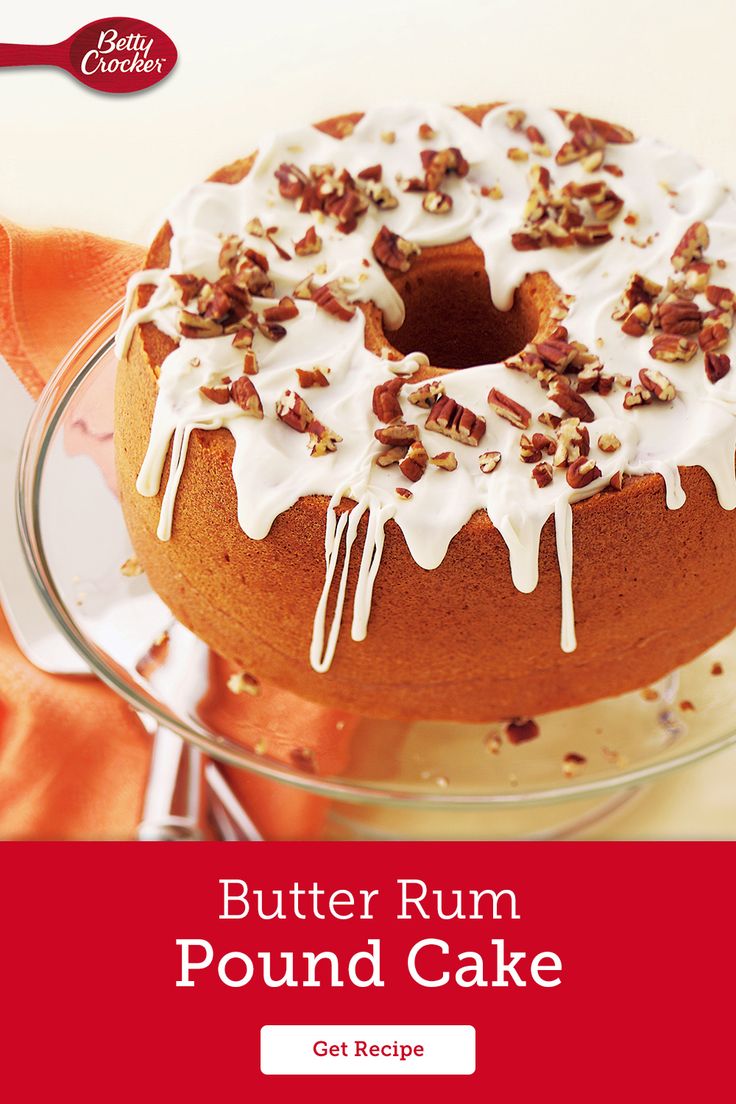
{"points": [[600, 972]]}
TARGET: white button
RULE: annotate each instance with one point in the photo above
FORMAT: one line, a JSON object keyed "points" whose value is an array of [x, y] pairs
{"points": [[356, 1049]]}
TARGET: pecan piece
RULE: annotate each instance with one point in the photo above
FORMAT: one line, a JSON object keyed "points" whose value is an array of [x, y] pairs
{"points": [[283, 312], [542, 474], [250, 363], [672, 347], [445, 460], [310, 243], [312, 377], [717, 365], [718, 296], [398, 433], [393, 251], [403, 492], [415, 462], [292, 181], [562, 394], [243, 392], [243, 337], [321, 439], [657, 382], [582, 472], [188, 286], [714, 335], [437, 203], [391, 456], [332, 298], [294, 411], [218, 395], [489, 461], [638, 397], [690, 246], [608, 442], [509, 409], [455, 421], [386, 404], [427, 394], [194, 326]]}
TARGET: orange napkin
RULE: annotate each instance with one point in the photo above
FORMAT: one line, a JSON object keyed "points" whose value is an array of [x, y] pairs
{"points": [[73, 756]]}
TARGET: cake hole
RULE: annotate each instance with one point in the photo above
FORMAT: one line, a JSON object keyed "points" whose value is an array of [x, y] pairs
{"points": [[451, 318]]}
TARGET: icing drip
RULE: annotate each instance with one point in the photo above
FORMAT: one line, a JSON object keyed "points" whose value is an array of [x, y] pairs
{"points": [[272, 467]]}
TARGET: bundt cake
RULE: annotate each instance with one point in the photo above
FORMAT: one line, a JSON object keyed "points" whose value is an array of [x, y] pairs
{"points": [[427, 413]]}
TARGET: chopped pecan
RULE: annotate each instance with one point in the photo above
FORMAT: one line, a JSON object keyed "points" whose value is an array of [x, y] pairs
{"points": [[255, 227], [294, 411], [437, 203], [397, 433], [391, 456], [556, 353], [403, 492], [218, 395], [427, 394], [194, 326], [188, 286], [591, 234], [514, 153], [616, 481], [445, 460], [538, 144], [243, 337], [608, 442], [570, 401], [310, 243], [332, 298], [380, 195], [697, 275], [455, 421], [637, 321], [509, 409], [292, 181], [373, 172], [489, 461], [714, 336], [573, 441], [719, 297], [640, 396], [582, 472], [690, 246], [283, 312], [386, 404], [321, 439], [393, 251], [250, 363], [672, 347], [515, 118], [243, 392], [437, 163], [273, 331], [312, 377], [717, 365], [657, 382], [415, 462], [542, 474]]}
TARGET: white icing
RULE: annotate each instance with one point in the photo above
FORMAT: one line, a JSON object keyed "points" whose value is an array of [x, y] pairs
{"points": [[272, 468]]}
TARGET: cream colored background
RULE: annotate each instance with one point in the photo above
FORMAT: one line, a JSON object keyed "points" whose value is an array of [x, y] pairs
{"points": [[110, 164]]}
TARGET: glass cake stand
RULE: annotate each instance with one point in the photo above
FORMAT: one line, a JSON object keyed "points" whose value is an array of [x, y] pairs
{"points": [[421, 780]]}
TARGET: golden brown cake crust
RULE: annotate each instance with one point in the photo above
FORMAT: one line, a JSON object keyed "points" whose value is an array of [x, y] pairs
{"points": [[652, 587]]}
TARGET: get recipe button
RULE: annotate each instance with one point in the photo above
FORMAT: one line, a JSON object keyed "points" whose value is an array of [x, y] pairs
{"points": [[351, 1049]]}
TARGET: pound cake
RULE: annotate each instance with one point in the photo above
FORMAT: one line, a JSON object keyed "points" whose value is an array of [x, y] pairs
{"points": [[427, 413]]}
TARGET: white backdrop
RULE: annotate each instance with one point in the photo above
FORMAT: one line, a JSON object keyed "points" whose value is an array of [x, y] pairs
{"points": [[111, 163]]}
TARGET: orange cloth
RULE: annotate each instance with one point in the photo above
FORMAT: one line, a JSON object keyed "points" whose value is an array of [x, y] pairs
{"points": [[73, 756]]}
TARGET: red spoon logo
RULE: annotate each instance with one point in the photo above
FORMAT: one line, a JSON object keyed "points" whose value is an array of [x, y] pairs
{"points": [[110, 55]]}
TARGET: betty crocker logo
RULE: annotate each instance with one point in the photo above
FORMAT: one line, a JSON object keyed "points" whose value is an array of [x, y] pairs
{"points": [[110, 55]]}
